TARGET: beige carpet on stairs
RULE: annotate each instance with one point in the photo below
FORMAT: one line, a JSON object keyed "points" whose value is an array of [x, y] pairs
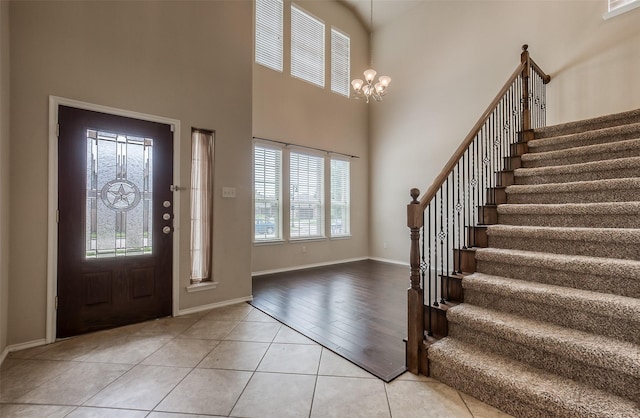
{"points": [[550, 326]]}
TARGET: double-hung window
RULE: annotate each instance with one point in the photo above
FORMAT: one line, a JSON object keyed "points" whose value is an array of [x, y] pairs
{"points": [[269, 33], [307, 47], [306, 195], [340, 62], [267, 180], [340, 198]]}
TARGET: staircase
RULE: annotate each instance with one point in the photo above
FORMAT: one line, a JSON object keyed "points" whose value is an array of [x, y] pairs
{"points": [[550, 324]]}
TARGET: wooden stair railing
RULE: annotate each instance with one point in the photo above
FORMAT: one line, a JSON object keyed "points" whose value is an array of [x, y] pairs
{"points": [[445, 221]]}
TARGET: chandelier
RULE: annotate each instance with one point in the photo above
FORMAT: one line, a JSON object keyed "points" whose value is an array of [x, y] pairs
{"points": [[369, 88]]}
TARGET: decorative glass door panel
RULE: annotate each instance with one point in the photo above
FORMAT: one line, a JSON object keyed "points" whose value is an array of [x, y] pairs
{"points": [[119, 193]]}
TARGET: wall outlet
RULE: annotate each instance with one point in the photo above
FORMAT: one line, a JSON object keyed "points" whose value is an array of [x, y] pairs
{"points": [[229, 192]]}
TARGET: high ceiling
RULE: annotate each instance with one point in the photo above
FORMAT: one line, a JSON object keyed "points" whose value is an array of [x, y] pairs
{"points": [[384, 11]]}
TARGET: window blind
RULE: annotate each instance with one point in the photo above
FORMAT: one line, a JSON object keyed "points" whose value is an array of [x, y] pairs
{"points": [[267, 170], [307, 47], [201, 205], [306, 195], [340, 62], [340, 197], [269, 33]]}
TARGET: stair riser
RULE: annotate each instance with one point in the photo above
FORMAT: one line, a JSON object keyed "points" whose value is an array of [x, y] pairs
{"points": [[582, 176], [611, 284], [487, 215], [464, 260], [593, 140], [596, 321], [583, 221], [614, 381], [477, 236], [591, 196], [505, 178], [628, 251], [580, 158], [443, 367], [496, 196], [512, 163]]}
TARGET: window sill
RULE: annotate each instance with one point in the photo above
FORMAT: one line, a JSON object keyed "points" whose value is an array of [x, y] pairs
{"points": [[274, 241], [199, 287], [621, 10], [341, 237], [301, 239]]}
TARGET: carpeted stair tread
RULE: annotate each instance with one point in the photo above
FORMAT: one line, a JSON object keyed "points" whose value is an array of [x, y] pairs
{"points": [[615, 306], [583, 154], [592, 191], [499, 380], [599, 242], [586, 310], [588, 348], [600, 208], [593, 170], [597, 136], [616, 119], [607, 275], [603, 214]]}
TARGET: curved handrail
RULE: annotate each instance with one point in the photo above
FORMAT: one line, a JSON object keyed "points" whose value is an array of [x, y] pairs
{"points": [[440, 179]]}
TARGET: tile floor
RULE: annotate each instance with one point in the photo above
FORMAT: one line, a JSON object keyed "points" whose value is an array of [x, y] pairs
{"points": [[233, 361]]}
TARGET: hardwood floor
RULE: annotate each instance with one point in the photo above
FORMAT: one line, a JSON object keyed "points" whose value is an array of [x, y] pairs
{"points": [[358, 310]]}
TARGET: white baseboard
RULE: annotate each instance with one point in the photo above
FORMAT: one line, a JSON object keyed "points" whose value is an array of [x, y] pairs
{"points": [[214, 305], [306, 266], [23, 346], [386, 260]]}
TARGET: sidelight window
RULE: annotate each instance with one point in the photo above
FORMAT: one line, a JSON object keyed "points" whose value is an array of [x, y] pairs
{"points": [[201, 204]]}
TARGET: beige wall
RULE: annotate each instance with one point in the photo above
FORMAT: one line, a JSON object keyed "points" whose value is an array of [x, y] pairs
{"points": [[291, 110], [190, 61], [4, 174], [448, 59]]}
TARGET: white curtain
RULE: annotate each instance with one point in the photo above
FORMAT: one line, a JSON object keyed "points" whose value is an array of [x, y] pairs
{"points": [[201, 205]]}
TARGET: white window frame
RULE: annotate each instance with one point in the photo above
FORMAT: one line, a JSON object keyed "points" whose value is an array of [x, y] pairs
{"points": [[300, 183], [269, 34], [307, 46], [277, 222], [340, 201], [340, 62], [618, 7]]}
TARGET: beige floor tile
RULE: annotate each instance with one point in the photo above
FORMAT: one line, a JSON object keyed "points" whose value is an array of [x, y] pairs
{"points": [[169, 327], [34, 411], [174, 415], [235, 312], [288, 335], [425, 399], [76, 384], [258, 316], [235, 355], [9, 363], [142, 387], [209, 329], [276, 395], [181, 352], [291, 358], [73, 348], [480, 409], [415, 378], [332, 364], [29, 352], [127, 350], [254, 331], [349, 397], [206, 391], [28, 375], [90, 412]]}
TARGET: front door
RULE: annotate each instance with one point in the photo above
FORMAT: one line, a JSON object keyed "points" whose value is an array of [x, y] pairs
{"points": [[115, 220]]}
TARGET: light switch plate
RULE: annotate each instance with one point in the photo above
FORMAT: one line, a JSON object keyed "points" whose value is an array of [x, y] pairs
{"points": [[229, 192]]}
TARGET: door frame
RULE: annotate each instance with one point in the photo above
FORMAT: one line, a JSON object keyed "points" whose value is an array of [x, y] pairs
{"points": [[52, 209]]}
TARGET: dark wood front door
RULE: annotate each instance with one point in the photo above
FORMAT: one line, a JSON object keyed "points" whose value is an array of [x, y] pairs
{"points": [[115, 220]]}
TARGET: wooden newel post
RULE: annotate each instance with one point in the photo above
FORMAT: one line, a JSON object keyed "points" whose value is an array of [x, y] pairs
{"points": [[526, 111], [415, 295]]}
